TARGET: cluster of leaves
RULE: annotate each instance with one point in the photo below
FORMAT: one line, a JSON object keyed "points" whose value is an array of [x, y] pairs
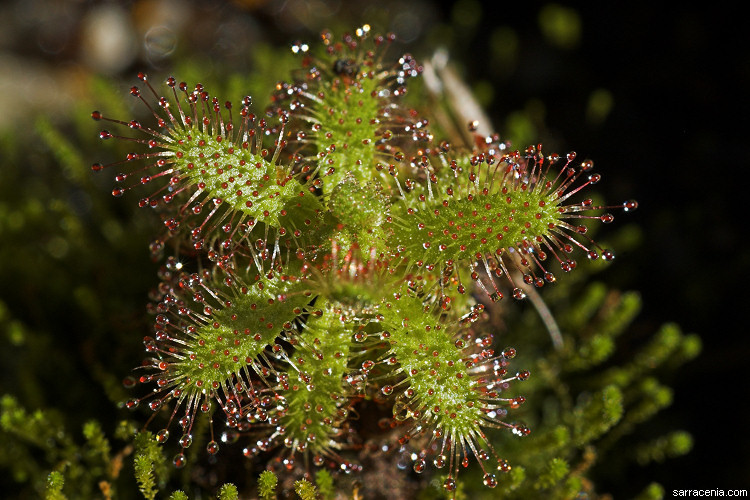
{"points": [[348, 273]]}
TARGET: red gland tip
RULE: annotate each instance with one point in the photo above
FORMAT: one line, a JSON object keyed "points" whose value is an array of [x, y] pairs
{"points": [[630, 205]]}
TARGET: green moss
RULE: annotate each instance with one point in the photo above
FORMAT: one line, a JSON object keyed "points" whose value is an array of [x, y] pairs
{"points": [[267, 485]]}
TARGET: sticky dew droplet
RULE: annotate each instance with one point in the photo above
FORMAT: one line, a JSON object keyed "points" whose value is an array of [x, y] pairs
{"points": [[212, 448], [630, 205], [179, 460], [489, 480], [162, 436], [503, 465], [186, 440], [449, 484]]}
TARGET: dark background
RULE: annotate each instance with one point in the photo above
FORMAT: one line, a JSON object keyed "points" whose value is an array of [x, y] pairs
{"points": [[674, 139]]}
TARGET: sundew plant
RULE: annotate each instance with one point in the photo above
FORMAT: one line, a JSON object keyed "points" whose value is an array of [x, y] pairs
{"points": [[336, 282], [331, 249]]}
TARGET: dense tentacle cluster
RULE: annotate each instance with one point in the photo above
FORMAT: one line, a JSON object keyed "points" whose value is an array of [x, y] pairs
{"points": [[318, 394], [448, 384], [350, 104], [206, 348], [219, 173], [504, 213], [324, 264], [305, 403]]}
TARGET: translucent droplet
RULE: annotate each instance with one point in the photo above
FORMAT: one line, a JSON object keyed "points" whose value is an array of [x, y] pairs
{"points": [[212, 448], [440, 461], [230, 436], [349, 467], [419, 466], [518, 294], [521, 430], [264, 444], [400, 412], [186, 440], [179, 460], [185, 421], [387, 390], [162, 436], [630, 205], [449, 484], [156, 247], [489, 480]]}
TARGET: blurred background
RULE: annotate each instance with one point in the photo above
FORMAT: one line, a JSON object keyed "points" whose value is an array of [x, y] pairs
{"points": [[655, 95]]}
